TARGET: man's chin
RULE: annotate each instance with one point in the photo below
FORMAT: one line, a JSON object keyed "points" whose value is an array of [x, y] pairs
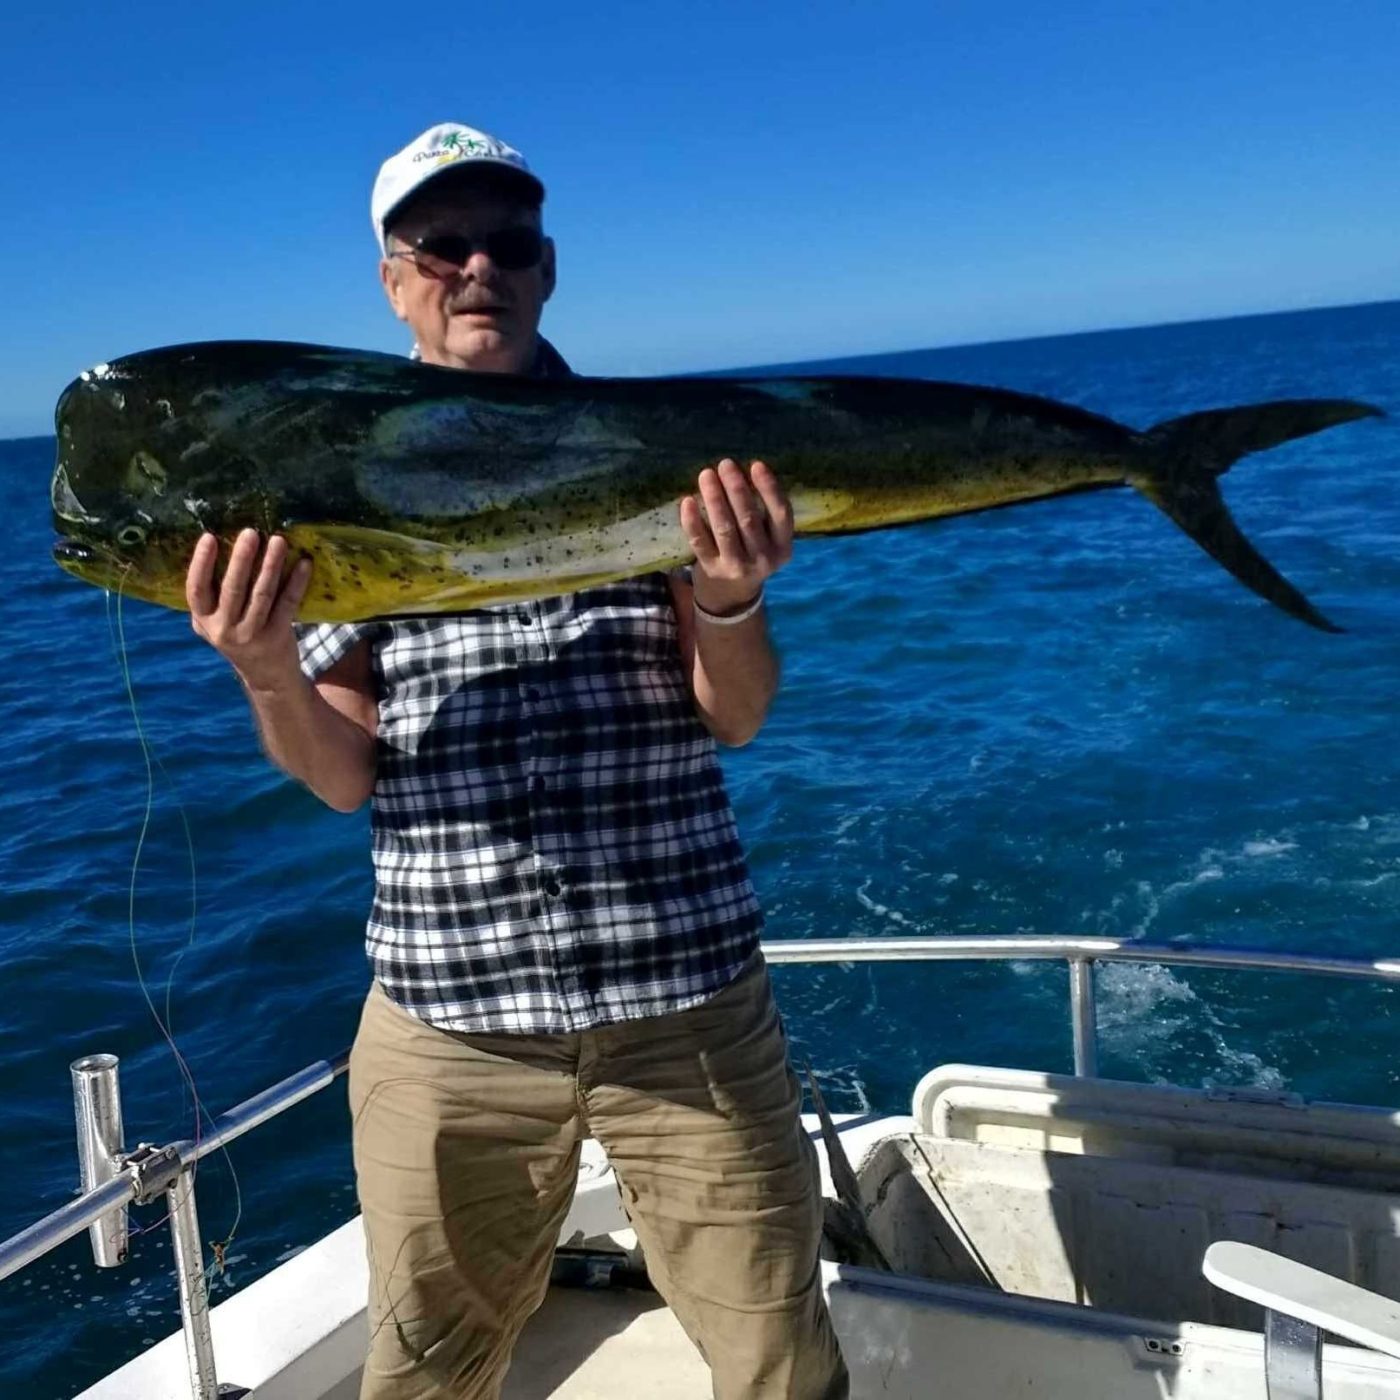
{"points": [[486, 347]]}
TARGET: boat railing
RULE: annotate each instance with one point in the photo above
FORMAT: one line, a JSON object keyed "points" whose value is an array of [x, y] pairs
{"points": [[114, 1179]]}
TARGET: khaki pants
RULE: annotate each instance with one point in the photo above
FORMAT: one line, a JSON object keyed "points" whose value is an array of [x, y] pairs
{"points": [[466, 1151]]}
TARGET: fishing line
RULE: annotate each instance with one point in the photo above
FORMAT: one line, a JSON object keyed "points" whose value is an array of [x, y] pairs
{"points": [[153, 761]]}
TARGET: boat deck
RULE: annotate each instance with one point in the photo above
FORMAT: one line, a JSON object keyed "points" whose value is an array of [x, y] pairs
{"points": [[599, 1344]]}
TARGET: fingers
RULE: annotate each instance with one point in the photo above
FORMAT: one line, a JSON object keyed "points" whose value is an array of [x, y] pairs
{"points": [[284, 613], [716, 488], [233, 590], [266, 585], [702, 542], [776, 503], [251, 594], [747, 521], [199, 581]]}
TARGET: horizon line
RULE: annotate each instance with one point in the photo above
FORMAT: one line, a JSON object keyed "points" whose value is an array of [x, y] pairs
{"points": [[1063, 335]]}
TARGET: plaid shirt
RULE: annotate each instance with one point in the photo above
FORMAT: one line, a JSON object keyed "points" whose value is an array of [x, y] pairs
{"points": [[553, 845]]}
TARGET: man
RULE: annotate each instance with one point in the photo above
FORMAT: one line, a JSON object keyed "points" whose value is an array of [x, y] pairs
{"points": [[564, 937]]}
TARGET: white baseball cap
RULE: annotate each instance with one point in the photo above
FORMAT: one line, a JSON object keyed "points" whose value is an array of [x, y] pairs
{"points": [[447, 146]]}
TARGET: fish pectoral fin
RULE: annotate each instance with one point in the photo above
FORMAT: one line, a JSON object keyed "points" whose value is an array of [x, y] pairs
{"points": [[366, 540], [1196, 505], [818, 512], [359, 571]]}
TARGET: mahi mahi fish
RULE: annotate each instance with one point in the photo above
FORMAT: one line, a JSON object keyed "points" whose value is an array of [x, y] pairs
{"points": [[415, 489]]}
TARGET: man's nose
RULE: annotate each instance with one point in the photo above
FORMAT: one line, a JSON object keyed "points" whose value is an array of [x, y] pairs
{"points": [[478, 266]]}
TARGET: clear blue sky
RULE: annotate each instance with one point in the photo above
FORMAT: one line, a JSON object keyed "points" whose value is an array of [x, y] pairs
{"points": [[729, 183]]}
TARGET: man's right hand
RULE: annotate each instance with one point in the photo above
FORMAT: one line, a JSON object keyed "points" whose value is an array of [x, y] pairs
{"points": [[248, 617]]}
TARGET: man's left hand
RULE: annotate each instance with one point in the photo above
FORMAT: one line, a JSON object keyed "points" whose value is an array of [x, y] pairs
{"points": [[742, 536]]}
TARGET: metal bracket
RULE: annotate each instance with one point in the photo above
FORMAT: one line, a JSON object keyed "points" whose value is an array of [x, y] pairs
{"points": [[153, 1168], [1292, 1358]]}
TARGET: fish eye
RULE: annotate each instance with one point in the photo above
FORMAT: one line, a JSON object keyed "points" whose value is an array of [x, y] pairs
{"points": [[131, 534]]}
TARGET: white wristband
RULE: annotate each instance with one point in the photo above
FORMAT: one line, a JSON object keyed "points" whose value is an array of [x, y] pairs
{"points": [[729, 619]]}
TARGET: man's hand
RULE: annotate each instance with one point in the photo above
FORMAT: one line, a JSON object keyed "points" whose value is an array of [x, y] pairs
{"points": [[251, 626], [743, 535]]}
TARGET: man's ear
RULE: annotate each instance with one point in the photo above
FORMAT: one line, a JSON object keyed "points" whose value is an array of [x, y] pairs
{"points": [[389, 280], [549, 270]]}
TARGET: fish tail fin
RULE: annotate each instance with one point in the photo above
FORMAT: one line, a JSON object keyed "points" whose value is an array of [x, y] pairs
{"points": [[1189, 453]]}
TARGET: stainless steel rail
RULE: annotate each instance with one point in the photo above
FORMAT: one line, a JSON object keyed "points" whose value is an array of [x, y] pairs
{"points": [[139, 1175], [1081, 954]]}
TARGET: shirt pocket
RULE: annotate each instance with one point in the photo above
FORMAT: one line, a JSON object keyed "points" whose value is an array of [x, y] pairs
{"points": [[624, 626], [443, 677]]}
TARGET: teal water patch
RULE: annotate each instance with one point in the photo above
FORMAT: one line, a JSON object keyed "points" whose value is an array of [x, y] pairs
{"points": [[1061, 718]]}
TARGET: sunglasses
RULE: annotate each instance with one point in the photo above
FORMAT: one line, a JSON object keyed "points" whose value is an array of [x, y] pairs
{"points": [[445, 254]]}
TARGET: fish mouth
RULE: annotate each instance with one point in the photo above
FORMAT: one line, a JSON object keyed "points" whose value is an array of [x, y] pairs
{"points": [[66, 551]]}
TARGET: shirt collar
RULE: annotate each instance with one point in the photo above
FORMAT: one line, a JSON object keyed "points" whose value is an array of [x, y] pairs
{"points": [[549, 363]]}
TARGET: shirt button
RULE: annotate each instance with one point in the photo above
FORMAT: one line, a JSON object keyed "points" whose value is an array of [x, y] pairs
{"points": [[537, 783], [524, 617], [533, 693], [550, 886]]}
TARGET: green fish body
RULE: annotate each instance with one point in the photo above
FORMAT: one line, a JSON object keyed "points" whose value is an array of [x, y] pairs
{"points": [[416, 489]]}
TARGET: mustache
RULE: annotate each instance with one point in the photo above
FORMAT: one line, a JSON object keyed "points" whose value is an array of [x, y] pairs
{"points": [[478, 298]]}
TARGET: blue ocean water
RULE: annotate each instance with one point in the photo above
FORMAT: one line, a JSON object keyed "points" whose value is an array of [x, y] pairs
{"points": [[1058, 718]]}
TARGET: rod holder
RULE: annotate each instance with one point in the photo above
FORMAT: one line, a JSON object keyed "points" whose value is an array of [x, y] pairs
{"points": [[97, 1110]]}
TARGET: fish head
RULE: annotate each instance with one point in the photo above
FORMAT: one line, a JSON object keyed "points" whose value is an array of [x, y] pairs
{"points": [[132, 491]]}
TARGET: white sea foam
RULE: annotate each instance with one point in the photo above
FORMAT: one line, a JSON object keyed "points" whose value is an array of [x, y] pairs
{"points": [[883, 910], [1383, 878], [1271, 846], [1152, 900], [843, 1089], [1145, 1008]]}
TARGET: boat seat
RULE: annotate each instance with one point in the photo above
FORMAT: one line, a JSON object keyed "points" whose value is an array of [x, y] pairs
{"points": [[1246, 1131], [1113, 1232]]}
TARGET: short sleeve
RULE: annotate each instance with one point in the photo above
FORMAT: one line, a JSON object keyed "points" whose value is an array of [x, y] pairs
{"points": [[322, 644]]}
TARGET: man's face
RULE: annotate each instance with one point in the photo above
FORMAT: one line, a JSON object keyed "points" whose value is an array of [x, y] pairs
{"points": [[477, 315]]}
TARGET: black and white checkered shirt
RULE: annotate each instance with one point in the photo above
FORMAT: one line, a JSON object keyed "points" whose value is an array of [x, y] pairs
{"points": [[553, 845]]}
